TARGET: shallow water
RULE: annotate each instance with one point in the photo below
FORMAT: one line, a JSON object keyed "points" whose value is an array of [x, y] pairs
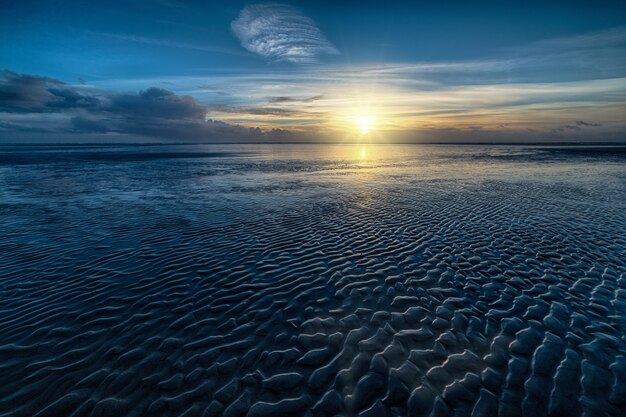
{"points": [[312, 280]]}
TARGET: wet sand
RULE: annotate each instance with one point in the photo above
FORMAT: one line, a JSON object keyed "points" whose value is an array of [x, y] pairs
{"points": [[312, 281]]}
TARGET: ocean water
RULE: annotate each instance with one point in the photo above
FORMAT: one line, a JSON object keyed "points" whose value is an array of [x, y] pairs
{"points": [[312, 280]]}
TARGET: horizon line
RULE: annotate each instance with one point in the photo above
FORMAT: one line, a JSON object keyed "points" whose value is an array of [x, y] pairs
{"points": [[623, 143]]}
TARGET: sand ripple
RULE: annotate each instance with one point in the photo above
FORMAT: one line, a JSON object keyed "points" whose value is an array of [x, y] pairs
{"points": [[171, 294]]}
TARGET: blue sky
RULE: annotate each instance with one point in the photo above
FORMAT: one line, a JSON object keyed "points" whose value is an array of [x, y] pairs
{"points": [[175, 70]]}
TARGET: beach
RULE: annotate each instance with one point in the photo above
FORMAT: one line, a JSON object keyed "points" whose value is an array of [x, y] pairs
{"points": [[312, 280]]}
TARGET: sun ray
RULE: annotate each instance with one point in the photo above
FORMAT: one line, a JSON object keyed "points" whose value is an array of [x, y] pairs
{"points": [[364, 123]]}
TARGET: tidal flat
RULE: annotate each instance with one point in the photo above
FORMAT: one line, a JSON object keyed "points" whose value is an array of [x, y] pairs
{"points": [[312, 280]]}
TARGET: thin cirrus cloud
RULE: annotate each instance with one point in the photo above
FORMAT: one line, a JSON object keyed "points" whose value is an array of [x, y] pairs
{"points": [[280, 32], [168, 44]]}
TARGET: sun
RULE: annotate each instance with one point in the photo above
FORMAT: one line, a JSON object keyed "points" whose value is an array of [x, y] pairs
{"points": [[364, 123]]}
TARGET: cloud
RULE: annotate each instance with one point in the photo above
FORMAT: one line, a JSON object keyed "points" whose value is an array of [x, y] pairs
{"points": [[169, 43], [261, 111], [156, 103], [287, 99], [281, 33], [578, 125], [589, 124], [46, 105], [88, 125], [33, 94], [607, 38]]}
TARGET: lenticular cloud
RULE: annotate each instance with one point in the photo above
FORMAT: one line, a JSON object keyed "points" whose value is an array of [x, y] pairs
{"points": [[281, 33]]}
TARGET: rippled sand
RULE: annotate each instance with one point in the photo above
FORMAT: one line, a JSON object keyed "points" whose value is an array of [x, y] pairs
{"points": [[312, 281]]}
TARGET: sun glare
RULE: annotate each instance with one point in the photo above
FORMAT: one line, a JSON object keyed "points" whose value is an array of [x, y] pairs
{"points": [[364, 123]]}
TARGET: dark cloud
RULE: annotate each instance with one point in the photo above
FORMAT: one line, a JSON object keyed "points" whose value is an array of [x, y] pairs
{"points": [[212, 89], [155, 112], [155, 103], [578, 125], [87, 125], [263, 111], [589, 124], [70, 98], [21, 93], [285, 99], [13, 127], [191, 131]]}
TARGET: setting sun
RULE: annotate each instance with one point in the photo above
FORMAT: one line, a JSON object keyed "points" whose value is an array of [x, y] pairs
{"points": [[364, 123]]}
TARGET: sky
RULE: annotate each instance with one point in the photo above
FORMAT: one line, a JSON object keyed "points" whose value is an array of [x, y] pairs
{"points": [[312, 71]]}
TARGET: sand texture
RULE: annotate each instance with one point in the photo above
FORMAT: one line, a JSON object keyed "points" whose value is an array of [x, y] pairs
{"points": [[312, 281]]}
